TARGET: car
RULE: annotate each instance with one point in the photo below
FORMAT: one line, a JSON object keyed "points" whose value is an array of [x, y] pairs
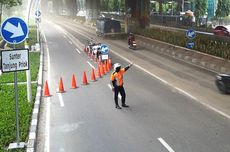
{"points": [[223, 83], [221, 31]]}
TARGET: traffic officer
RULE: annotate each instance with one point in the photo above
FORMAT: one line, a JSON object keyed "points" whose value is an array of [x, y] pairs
{"points": [[117, 83]]}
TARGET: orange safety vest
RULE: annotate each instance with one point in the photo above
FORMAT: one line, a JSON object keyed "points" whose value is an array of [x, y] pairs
{"points": [[118, 76]]}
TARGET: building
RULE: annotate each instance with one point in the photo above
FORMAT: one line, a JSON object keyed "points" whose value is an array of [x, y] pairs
{"points": [[212, 5]]}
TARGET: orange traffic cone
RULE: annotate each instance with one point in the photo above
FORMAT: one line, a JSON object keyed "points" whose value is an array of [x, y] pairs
{"points": [[74, 83], [46, 91], [102, 70], [105, 70], [61, 87], [108, 67], [110, 63], [93, 78], [84, 80], [98, 72]]}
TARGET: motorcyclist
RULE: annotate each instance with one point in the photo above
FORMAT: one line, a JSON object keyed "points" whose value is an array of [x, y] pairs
{"points": [[131, 38]]}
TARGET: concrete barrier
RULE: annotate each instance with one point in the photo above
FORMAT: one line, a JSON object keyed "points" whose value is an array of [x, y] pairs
{"points": [[212, 63]]}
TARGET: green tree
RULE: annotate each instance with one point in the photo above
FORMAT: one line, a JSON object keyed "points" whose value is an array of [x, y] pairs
{"points": [[200, 9], [223, 8], [8, 3]]}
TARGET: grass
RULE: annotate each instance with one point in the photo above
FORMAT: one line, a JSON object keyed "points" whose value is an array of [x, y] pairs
{"points": [[7, 114], [34, 67]]}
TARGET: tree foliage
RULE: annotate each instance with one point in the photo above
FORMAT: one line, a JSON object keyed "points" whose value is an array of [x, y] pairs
{"points": [[223, 8], [10, 3], [200, 8], [112, 5]]}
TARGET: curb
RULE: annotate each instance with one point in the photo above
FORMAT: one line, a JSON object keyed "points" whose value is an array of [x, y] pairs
{"points": [[206, 61], [35, 115]]}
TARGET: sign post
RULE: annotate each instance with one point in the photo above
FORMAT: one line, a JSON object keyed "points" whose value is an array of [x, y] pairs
{"points": [[104, 52], [190, 34], [14, 31]]}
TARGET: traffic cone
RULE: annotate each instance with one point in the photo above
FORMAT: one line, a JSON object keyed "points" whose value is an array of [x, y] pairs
{"points": [[84, 80], [105, 70], [93, 78], [108, 67], [74, 83], [98, 72], [102, 70], [110, 63], [46, 91], [61, 87]]}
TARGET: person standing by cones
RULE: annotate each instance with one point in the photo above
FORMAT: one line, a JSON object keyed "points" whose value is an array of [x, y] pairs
{"points": [[117, 83]]}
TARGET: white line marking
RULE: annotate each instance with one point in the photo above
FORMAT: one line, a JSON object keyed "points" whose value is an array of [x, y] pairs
{"points": [[64, 36], [90, 65], [180, 90], [186, 93], [166, 145], [61, 100], [70, 42], [78, 51], [119, 96], [47, 136]]}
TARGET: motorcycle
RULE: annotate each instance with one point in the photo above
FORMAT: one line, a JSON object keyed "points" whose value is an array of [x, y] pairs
{"points": [[133, 45]]}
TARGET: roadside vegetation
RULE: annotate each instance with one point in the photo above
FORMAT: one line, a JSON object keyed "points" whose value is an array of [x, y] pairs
{"points": [[213, 45], [7, 99]]}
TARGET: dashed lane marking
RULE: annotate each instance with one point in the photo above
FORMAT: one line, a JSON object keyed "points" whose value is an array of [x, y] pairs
{"points": [[90, 65], [165, 145], [78, 51], [61, 100]]}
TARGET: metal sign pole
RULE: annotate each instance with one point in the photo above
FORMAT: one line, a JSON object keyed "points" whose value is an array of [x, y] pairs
{"points": [[16, 105]]}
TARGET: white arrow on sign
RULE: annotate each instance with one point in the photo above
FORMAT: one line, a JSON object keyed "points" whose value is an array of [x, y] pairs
{"points": [[191, 34], [16, 30]]}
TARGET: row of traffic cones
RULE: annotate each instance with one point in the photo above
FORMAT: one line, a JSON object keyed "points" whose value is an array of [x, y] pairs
{"points": [[101, 71]]}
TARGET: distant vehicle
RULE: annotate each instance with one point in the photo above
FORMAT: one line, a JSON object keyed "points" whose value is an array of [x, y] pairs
{"points": [[221, 31], [107, 26], [223, 83]]}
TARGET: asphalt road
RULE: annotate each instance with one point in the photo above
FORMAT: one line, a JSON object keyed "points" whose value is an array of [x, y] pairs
{"points": [[85, 120]]}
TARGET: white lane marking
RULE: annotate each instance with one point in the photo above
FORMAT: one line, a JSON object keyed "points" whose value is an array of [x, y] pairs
{"points": [[70, 42], [47, 128], [186, 93], [64, 36], [180, 90], [90, 65], [109, 85], [166, 145], [61, 100], [78, 51]]}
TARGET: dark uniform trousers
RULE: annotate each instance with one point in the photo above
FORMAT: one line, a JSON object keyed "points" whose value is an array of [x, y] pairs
{"points": [[121, 90]]}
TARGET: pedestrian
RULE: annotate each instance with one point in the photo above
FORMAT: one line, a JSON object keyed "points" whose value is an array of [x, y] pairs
{"points": [[117, 83]]}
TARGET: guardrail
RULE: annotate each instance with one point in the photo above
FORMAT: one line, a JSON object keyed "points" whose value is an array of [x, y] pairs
{"points": [[212, 63]]}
